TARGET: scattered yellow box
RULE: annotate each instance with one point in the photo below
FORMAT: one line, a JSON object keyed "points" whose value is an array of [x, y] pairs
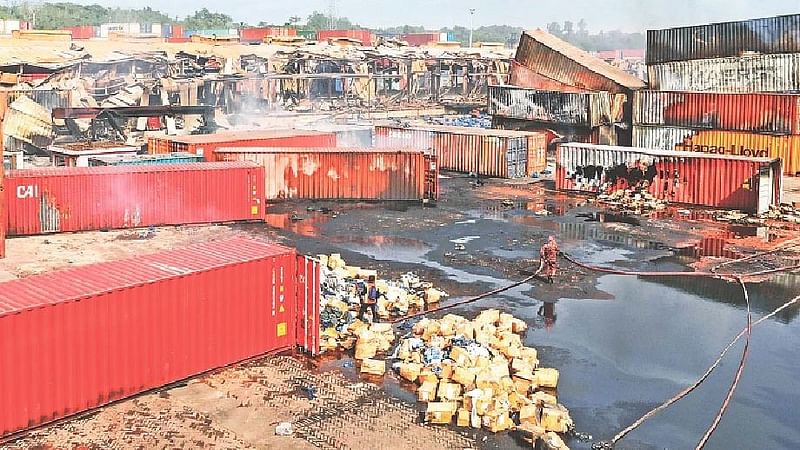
{"points": [[440, 412], [373, 367]]}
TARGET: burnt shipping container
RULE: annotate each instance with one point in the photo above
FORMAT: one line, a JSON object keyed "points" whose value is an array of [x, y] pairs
{"points": [[751, 73], [780, 34], [204, 144], [343, 173], [492, 153], [756, 112], [80, 338], [735, 143], [564, 63], [67, 199], [587, 109], [747, 184]]}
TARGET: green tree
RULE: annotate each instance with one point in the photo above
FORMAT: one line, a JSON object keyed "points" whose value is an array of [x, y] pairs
{"points": [[205, 19]]}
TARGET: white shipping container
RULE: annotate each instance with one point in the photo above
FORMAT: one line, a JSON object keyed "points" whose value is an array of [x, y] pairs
{"points": [[156, 29], [442, 37], [758, 73], [128, 28], [8, 26]]}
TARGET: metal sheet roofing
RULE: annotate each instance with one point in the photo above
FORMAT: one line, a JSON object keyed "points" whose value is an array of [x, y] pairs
{"points": [[87, 281], [462, 130], [665, 153]]}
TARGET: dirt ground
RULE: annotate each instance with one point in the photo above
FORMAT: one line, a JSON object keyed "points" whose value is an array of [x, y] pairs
{"points": [[240, 407]]}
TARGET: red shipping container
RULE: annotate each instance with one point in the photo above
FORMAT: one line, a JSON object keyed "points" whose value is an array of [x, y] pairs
{"points": [[366, 37], [756, 112], [420, 39], [257, 34], [205, 144], [76, 339], [178, 40], [748, 184], [66, 199], [3, 105], [342, 173], [493, 153], [177, 31], [81, 32]]}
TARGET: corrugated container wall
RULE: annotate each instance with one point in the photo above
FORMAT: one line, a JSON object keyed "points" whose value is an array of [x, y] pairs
{"points": [[366, 37], [522, 76], [204, 144], [67, 199], [341, 173], [257, 34], [779, 34], [492, 153], [757, 112], [104, 332], [735, 143], [758, 73], [564, 63], [81, 31], [747, 184], [588, 109], [420, 39]]}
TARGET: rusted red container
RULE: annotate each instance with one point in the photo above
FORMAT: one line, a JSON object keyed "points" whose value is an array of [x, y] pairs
{"points": [[107, 331], [366, 37], [747, 184], [524, 77], [205, 144], [564, 63], [779, 34], [492, 153], [757, 112], [342, 173], [66, 199]]}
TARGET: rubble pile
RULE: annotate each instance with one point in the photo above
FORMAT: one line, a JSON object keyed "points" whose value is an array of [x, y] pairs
{"points": [[341, 299], [479, 373], [637, 201], [784, 212]]}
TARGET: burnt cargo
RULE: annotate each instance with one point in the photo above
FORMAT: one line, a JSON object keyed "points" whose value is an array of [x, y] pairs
{"points": [[717, 181], [754, 73], [342, 173], [756, 112], [734, 143], [67, 199], [562, 62], [205, 144], [586, 109], [491, 153], [780, 34], [104, 332]]}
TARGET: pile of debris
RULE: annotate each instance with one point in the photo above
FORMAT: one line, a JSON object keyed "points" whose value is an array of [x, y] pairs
{"points": [[636, 201], [784, 212], [477, 371], [341, 296]]}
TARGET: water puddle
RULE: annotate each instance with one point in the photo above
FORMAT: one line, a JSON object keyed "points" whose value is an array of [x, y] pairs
{"points": [[603, 217]]}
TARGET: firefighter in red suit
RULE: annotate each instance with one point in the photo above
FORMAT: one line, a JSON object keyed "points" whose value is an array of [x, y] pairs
{"points": [[549, 255]]}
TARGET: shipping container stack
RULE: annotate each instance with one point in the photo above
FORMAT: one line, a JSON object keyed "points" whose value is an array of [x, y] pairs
{"points": [[728, 88], [557, 86]]}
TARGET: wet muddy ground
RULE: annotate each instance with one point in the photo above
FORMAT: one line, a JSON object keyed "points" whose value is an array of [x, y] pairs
{"points": [[623, 344]]}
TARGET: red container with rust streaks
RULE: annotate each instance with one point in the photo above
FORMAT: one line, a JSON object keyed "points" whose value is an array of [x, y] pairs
{"points": [[81, 31], [257, 34], [522, 76], [420, 39], [564, 63], [747, 184], [80, 338], [67, 199], [204, 144], [493, 153], [756, 112], [342, 173]]}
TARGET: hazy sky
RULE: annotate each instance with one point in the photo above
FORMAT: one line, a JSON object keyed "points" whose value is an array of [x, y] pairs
{"points": [[628, 15]]}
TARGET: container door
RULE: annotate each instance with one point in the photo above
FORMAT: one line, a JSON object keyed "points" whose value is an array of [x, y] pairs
{"points": [[49, 217], [764, 189], [308, 307], [431, 177]]}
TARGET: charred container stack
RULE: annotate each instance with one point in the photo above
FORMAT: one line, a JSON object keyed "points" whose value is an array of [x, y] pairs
{"points": [[557, 86], [726, 88]]}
